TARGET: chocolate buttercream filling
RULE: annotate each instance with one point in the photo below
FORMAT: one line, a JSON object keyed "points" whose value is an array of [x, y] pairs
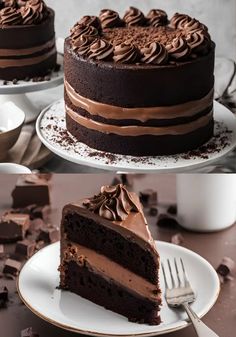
{"points": [[111, 270], [26, 51], [140, 130], [142, 114], [5, 63]]}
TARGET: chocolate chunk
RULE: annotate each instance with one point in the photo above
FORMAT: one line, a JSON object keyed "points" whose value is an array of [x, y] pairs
{"points": [[36, 225], [2, 252], [12, 267], [40, 245], [41, 212], [148, 197], [15, 81], [164, 220], [49, 235], [172, 209], [177, 239], [153, 211], [226, 268], [28, 332], [57, 67], [3, 297], [30, 189], [5, 82], [116, 181], [13, 227], [25, 248]]}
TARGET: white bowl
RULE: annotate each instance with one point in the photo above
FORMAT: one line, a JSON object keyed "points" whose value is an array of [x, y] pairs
{"points": [[11, 122], [11, 168]]}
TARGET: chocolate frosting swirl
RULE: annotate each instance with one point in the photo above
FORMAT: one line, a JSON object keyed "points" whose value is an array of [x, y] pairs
{"points": [[199, 41], [21, 3], [101, 49], [112, 203], [154, 53], [126, 53], [184, 21], [109, 18], [81, 29], [35, 11], [10, 16], [134, 17], [178, 48], [157, 17], [89, 20], [82, 45]]}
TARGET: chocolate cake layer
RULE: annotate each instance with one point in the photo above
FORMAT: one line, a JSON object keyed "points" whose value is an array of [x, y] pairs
{"points": [[146, 145], [27, 50], [124, 250], [109, 294], [131, 85]]}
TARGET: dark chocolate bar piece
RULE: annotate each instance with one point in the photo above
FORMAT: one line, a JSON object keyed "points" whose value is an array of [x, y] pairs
{"points": [[3, 297], [25, 248], [12, 267], [13, 227], [31, 189], [49, 235]]}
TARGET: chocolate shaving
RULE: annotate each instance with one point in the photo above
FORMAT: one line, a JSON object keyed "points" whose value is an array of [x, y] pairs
{"points": [[153, 211], [225, 269]]}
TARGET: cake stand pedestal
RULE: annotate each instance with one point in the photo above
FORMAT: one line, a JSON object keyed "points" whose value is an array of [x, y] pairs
{"points": [[16, 93]]}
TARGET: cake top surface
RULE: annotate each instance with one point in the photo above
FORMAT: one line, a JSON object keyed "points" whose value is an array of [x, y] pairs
{"points": [[119, 208], [138, 39], [22, 12]]}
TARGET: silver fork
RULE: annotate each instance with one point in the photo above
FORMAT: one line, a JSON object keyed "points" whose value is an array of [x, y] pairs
{"points": [[180, 294]]}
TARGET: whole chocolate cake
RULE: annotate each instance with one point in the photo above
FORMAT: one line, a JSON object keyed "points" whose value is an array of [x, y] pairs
{"points": [[27, 39], [141, 85], [108, 255]]}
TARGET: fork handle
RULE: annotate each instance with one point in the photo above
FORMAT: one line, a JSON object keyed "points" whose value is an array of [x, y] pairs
{"points": [[202, 329]]}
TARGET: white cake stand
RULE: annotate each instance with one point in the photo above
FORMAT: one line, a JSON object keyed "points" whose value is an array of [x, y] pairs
{"points": [[51, 130], [16, 93]]}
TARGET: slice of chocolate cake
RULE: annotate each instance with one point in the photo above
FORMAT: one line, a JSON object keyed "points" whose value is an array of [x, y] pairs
{"points": [[108, 255]]}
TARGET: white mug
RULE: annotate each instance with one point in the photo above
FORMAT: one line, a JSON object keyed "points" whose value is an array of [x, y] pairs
{"points": [[206, 202]]}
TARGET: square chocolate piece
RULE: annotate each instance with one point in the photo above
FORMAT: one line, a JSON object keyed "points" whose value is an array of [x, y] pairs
{"points": [[31, 189], [49, 235], [25, 248], [12, 267], [148, 197], [13, 227]]}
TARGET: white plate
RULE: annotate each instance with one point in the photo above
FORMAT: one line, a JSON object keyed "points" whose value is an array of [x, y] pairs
{"points": [[39, 278], [51, 129]]}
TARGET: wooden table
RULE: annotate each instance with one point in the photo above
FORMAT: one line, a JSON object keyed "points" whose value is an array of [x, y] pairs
{"points": [[66, 188]]}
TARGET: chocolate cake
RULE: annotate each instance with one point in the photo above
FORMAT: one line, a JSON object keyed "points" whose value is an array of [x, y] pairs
{"points": [[141, 85], [27, 39], [108, 255]]}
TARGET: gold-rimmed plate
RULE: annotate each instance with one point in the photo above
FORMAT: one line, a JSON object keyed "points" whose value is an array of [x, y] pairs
{"points": [[39, 279]]}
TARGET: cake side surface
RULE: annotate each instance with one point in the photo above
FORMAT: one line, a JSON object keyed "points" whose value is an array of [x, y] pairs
{"points": [[140, 81]]}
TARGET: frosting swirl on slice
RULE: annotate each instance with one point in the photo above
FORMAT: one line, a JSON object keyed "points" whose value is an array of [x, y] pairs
{"points": [[9, 3], [157, 17], [10, 16], [113, 203], [82, 45], [125, 53], [178, 48], [134, 17], [89, 20], [101, 49], [154, 53], [109, 19]]}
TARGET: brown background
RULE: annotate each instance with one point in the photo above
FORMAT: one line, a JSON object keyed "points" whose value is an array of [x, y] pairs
{"points": [[66, 188]]}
